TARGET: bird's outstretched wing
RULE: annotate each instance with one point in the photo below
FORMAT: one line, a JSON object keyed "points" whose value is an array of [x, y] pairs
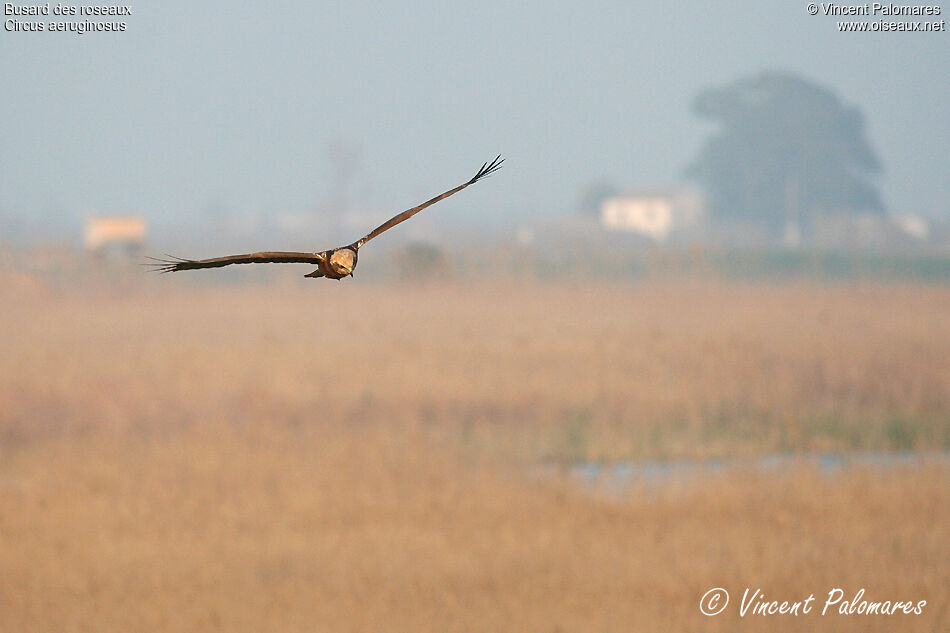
{"points": [[174, 264], [486, 170]]}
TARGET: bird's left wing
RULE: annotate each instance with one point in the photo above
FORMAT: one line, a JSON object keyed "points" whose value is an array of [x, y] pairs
{"points": [[174, 264], [486, 170]]}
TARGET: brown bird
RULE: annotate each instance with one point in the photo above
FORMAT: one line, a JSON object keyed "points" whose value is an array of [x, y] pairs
{"points": [[335, 263]]}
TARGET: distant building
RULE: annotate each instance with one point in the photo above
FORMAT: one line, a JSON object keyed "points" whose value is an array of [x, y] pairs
{"points": [[119, 235], [912, 224], [656, 215]]}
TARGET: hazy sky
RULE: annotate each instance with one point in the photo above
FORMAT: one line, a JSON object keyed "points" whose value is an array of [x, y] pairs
{"points": [[232, 106]]}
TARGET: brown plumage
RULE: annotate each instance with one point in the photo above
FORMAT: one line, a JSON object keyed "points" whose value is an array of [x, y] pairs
{"points": [[335, 263]]}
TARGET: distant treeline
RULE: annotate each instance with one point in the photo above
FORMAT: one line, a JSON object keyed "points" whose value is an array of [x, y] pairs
{"points": [[752, 265], [572, 263], [832, 266]]}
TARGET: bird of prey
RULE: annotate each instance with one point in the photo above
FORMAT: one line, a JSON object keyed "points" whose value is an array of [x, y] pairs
{"points": [[335, 263]]}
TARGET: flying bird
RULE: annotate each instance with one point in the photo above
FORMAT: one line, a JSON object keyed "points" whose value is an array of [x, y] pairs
{"points": [[335, 263]]}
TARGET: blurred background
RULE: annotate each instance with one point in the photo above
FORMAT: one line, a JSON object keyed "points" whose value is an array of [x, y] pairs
{"points": [[694, 334]]}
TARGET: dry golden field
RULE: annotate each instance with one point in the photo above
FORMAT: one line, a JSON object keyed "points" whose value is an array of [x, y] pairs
{"points": [[354, 457]]}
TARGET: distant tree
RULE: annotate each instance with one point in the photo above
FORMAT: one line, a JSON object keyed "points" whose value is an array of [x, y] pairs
{"points": [[593, 196], [786, 151]]}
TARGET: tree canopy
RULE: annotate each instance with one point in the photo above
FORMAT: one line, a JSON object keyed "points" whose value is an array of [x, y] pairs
{"points": [[593, 196], [786, 151]]}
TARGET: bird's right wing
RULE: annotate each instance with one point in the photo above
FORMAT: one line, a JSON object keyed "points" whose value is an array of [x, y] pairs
{"points": [[174, 264], [486, 170]]}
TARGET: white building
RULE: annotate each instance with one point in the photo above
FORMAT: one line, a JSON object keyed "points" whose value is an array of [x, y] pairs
{"points": [[126, 234], [655, 215]]}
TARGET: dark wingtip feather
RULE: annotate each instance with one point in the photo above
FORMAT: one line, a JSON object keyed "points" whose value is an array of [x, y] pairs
{"points": [[162, 266], [488, 169]]}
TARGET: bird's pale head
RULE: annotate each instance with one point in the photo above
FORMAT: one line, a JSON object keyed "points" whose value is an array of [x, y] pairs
{"points": [[343, 261]]}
